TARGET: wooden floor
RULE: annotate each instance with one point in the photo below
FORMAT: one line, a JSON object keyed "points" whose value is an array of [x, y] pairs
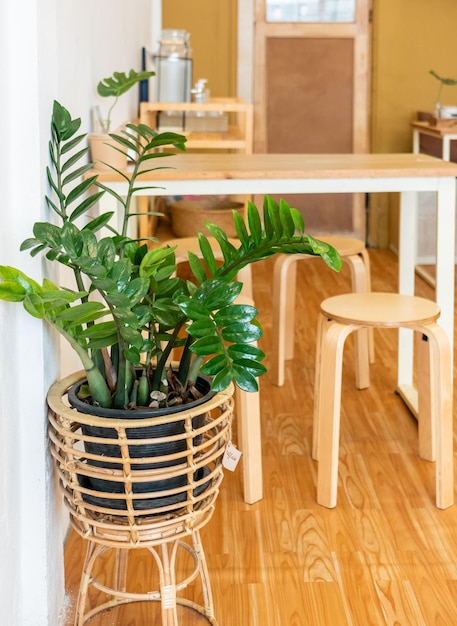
{"points": [[385, 555]]}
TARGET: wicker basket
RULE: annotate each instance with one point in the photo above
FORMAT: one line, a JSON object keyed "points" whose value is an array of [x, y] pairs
{"points": [[188, 217]]}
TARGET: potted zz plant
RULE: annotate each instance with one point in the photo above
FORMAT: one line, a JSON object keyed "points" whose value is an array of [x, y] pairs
{"points": [[128, 310], [105, 152]]}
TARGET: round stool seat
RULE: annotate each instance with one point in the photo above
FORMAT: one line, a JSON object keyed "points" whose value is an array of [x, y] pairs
{"points": [[346, 246], [380, 309]]}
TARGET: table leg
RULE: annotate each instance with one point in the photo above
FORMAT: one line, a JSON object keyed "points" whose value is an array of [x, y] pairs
{"points": [[445, 269], [416, 141], [445, 255], [406, 262]]}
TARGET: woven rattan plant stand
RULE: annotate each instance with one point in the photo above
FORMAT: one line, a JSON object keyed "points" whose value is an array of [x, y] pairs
{"points": [[144, 512]]}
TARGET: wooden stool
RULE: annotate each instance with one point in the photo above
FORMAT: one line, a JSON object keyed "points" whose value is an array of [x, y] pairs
{"points": [[354, 253], [156, 495], [344, 314], [247, 405]]}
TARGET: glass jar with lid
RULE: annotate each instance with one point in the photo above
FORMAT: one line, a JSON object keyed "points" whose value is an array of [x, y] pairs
{"points": [[174, 66]]}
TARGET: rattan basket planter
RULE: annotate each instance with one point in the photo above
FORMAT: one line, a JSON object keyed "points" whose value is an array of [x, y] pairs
{"points": [[137, 463], [188, 217]]}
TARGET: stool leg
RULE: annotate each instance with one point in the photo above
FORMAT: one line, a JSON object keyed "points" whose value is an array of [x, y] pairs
{"points": [[364, 341], [441, 411], [367, 274], [321, 320], [245, 276], [328, 408], [247, 407], [284, 286], [426, 420]]}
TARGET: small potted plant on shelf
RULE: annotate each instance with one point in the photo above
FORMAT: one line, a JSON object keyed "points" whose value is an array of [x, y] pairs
{"points": [[437, 118], [127, 310], [105, 152]]}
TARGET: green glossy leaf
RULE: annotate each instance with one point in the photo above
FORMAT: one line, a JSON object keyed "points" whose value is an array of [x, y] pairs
{"points": [[242, 333], [85, 205], [222, 379], [136, 290], [255, 225], [120, 82], [207, 253], [11, 275], [132, 337], [99, 222], [76, 173], [196, 267], [273, 212], [74, 159], [221, 295], [244, 379], [12, 292], [118, 300], [120, 272], [70, 145], [99, 330], [82, 313], [72, 240], [133, 356], [207, 345], [267, 223], [298, 221], [251, 365], [286, 219], [167, 312], [239, 351], [201, 328], [192, 308], [47, 233], [214, 365], [80, 189], [33, 304], [105, 341], [235, 313], [241, 229]]}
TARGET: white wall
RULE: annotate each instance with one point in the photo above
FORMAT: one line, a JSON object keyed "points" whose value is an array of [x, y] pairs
{"points": [[49, 49]]}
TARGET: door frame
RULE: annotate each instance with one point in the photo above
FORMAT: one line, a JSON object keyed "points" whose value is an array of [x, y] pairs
{"points": [[359, 31]]}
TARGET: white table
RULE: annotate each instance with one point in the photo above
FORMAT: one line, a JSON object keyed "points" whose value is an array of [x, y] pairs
{"points": [[408, 174]]}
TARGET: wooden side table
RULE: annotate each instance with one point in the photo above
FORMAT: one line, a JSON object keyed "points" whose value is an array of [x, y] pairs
{"points": [[445, 133]]}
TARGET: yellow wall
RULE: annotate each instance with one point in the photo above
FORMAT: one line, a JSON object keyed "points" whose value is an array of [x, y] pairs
{"points": [[410, 37], [212, 25]]}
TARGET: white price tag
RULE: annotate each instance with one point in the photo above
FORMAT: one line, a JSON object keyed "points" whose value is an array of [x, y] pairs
{"points": [[231, 457]]}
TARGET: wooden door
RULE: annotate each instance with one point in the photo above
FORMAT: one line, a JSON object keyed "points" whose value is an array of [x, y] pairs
{"points": [[311, 95]]}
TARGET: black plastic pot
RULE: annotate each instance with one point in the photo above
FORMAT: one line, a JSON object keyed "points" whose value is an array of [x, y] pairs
{"points": [[140, 451]]}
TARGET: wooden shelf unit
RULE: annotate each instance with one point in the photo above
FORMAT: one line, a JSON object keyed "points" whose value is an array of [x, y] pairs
{"points": [[239, 135]]}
